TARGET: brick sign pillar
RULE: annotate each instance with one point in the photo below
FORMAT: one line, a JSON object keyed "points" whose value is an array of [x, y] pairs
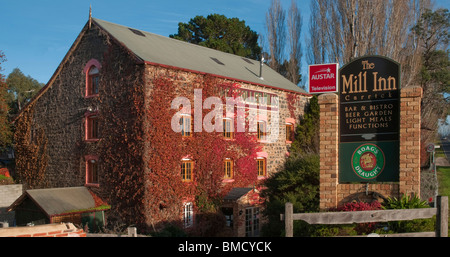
{"points": [[410, 140], [329, 147], [332, 193]]}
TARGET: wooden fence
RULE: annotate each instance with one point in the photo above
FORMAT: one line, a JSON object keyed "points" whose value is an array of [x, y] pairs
{"points": [[441, 212]]}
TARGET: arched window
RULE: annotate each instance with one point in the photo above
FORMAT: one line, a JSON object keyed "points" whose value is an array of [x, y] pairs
{"points": [[91, 169], [92, 71]]}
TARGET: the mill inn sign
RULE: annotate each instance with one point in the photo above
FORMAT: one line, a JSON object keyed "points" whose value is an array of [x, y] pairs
{"points": [[369, 118]]}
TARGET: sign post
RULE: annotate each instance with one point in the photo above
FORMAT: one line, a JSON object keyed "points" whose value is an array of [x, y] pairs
{"points": [[369, 120], [323, 78]]}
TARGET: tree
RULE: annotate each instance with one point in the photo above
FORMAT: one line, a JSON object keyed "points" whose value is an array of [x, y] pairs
{"points": [[276, 35], [5, 130], [21, 89], [216, 31], [432, 32], [307, 132], [284, 49], [298, 182], [345, 29], [294, 25]]}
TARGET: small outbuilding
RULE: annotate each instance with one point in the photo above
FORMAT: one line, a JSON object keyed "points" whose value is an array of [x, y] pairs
{"points": [[77, 205], [242, 208]]}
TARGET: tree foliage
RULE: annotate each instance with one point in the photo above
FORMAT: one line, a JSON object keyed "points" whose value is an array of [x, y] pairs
{"points": [[216, 31], [298, 182], [21, 89], [432, 32], [307, 132], [31, 151], [5, 130], [432, 29]]}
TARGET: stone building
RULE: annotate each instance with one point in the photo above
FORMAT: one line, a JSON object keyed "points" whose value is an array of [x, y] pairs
{"points": [[95, 123]]}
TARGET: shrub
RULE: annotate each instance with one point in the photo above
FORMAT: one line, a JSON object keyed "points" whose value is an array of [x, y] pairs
{"points": [[362, 228], [405, 226]]}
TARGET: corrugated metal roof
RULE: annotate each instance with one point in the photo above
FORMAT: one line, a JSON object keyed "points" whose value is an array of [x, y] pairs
{"points": [[158, 49], [62, 200]]}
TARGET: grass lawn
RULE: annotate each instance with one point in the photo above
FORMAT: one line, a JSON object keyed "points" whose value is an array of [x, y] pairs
{"points": [[444, 180]]}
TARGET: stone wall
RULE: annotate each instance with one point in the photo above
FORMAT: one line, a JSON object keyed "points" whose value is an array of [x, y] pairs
{"points": [[276, 151], [60, 112]]}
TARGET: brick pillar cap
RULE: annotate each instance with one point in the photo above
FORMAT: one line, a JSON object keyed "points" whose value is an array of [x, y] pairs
{"points": [[324, 98], [414, 91]]}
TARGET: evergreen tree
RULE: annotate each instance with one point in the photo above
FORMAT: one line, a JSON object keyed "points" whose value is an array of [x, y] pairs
{"points": [[216, 31], [307, 132], [298, 182]]}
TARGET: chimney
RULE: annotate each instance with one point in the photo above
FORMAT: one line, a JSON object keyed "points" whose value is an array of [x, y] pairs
{"points": [[261, 68]]}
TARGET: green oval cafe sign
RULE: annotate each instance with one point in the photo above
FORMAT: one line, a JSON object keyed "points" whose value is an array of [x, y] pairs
{"points": [[368, 161]]}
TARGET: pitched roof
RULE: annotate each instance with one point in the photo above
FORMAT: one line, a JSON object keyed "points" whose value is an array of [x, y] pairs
{"points": [[237, 193], [55, 201], [155, 49]]}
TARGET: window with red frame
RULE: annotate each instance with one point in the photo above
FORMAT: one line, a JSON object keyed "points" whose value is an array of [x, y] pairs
{"points": [[93, 81], [92, 127], [92, 171]]}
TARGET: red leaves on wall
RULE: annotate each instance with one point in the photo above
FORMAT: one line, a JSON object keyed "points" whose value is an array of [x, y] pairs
{"points": [[141, 155]]}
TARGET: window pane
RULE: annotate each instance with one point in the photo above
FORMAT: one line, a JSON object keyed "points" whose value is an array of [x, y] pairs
{"points": [[261, 163], [261, 130], [228, 169], [289, 132], [188, 213], [227, 128], [92, 127], [185, 123], [186, 170], [92, 171]]}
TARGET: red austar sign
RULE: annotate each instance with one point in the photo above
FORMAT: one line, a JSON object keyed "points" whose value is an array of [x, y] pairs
{"points": [[323, 78]]}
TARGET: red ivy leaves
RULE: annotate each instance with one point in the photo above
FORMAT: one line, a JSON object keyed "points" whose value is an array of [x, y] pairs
{"points": [[141, 154]]}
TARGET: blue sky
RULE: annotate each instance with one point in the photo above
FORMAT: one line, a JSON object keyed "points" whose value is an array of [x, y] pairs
{"points": [[36, 34]]}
